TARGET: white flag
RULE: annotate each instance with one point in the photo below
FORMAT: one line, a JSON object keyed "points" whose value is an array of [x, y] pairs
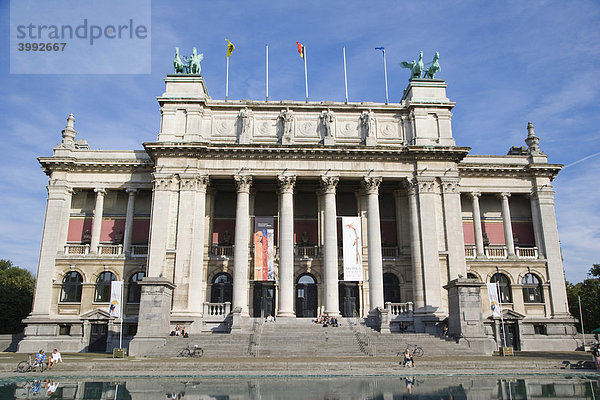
{"points": [[116, 292], [494, 301], [352, 249]]}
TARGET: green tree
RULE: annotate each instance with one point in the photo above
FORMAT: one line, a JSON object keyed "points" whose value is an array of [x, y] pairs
{"points": [[589, 292], [16, 296]]}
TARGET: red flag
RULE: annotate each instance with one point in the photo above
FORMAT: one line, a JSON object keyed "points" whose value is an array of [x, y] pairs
{"points": [[300, 49]]}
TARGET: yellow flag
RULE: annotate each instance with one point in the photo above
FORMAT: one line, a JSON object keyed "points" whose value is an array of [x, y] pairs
{"points": [[230, 48]]}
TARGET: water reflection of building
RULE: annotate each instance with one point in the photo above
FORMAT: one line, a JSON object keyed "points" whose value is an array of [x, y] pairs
{"points": [[177, 219], [438, 387]]}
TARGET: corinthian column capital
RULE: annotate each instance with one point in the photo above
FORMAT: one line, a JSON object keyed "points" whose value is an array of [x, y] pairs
{"points": [[243, 183], [286, 183], [329, 183], [371, 184]]}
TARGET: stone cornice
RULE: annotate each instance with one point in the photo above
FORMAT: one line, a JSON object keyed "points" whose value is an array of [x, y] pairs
{"points": [[72, 164], [306, 152], [509, 170]]}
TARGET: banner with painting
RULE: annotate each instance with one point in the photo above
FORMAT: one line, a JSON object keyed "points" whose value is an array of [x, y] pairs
{"points": [[264, 249], [352, 250], [116, 298]]}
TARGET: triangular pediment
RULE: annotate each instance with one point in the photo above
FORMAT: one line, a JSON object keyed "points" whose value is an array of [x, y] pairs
{"points": [[97, 314], [509, 315]]}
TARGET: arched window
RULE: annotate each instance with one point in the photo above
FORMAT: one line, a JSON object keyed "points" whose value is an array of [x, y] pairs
{"points": [[306, 279], [135, 291], [222, 288], [391, 288], [71, 287], [103, 287], [504, 283], [532, 289]]}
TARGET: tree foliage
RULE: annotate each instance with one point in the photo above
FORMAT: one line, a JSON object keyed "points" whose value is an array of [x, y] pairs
{"points": [[16, 296], [589, 292]]}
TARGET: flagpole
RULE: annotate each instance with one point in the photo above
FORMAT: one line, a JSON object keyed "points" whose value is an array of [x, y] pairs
{"points": [[345, 74], [121, 334], [227, 81], [386, 82], [305, 73], [501, 315], [267, 75]]}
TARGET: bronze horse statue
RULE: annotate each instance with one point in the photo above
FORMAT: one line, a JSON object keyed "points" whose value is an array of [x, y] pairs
{"points": [[434, 68]]}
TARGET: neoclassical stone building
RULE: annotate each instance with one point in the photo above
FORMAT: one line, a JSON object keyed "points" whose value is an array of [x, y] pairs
{"points": [[178, 222]]}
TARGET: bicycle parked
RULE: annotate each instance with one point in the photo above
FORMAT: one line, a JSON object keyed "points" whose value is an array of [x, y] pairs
{"points": [[30, 365], [195, 351], [414, 349]]}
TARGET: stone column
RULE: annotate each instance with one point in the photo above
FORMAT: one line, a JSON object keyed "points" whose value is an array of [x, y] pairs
{"points": [[506, 221], [374, 242], [160, 222], [549, 230], [97, 224], [398, 206], [415, 247], [286, 246], [330, 247], [535, 220], [66, 218], [129, 220], [183, 249], [242, 240], [454, 229], [197, 279], [477, 225], [429, 244], [57, 201]]}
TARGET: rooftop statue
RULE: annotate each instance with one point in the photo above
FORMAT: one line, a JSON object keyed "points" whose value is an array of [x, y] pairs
{"points": [[416, 68], [434, 67], [190, 66]]}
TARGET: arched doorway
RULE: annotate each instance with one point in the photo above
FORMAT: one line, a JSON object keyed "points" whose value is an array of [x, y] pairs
{"points": [[349, 301], [306, 296], [391, 288], [222, 288], [264, 299]]}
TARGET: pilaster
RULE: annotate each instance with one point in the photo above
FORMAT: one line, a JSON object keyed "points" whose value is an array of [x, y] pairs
{"points": [[454, 228]]}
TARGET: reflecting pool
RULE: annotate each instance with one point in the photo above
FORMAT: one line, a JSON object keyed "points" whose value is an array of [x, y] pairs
{"points": [[386, 387]]}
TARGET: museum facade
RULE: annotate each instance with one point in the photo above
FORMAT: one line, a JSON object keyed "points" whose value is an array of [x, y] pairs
{"points": [[240, 209]]}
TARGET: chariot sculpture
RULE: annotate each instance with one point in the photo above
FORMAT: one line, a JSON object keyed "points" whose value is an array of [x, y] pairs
{"points": [[190, 66], [417, 67]]}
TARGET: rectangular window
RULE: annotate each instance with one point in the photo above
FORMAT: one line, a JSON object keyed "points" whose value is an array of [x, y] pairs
{"points": [[539, 329], [64, 330]]}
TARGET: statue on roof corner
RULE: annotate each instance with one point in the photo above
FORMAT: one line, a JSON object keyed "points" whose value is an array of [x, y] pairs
{"points": [[434, 67], [190, 66], [416, 68]]}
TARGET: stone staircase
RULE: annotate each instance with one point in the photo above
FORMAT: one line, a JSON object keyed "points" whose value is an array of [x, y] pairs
{"points": [[304, 338]]}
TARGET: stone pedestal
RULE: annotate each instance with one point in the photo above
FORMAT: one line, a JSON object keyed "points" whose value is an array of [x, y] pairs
{"points": [[153, 320], [465, 320]]}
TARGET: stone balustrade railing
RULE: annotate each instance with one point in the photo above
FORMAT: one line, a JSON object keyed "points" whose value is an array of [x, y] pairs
{"points": [[77, 249], [470, 251], [306, 251], [527, 252], [389, 251], [218, 250], [110, 249], [400, 309], [217, 311], [139, 250]]}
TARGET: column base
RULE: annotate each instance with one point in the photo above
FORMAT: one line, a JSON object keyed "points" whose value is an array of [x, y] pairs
{"points": [[285, 314]]}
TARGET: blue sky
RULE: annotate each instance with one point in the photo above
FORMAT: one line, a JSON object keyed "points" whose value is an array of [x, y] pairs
{"points": [[505, 62]]}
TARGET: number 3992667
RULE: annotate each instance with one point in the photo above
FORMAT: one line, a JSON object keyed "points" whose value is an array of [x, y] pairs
{"points": [[41, 46]]}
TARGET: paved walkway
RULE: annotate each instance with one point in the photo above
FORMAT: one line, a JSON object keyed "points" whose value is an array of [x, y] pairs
{"points": [[103, 365]]}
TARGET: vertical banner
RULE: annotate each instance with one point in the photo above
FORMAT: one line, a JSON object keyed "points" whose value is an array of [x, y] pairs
{"points": [[351, 229], [494, 301], [116, 291], [264, 249]]}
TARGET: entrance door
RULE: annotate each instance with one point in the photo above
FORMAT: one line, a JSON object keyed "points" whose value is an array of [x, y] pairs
{"points": [[222, 289], [512, 335], [98, 336], [349, 299], [306, 297], [264, 299]]}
